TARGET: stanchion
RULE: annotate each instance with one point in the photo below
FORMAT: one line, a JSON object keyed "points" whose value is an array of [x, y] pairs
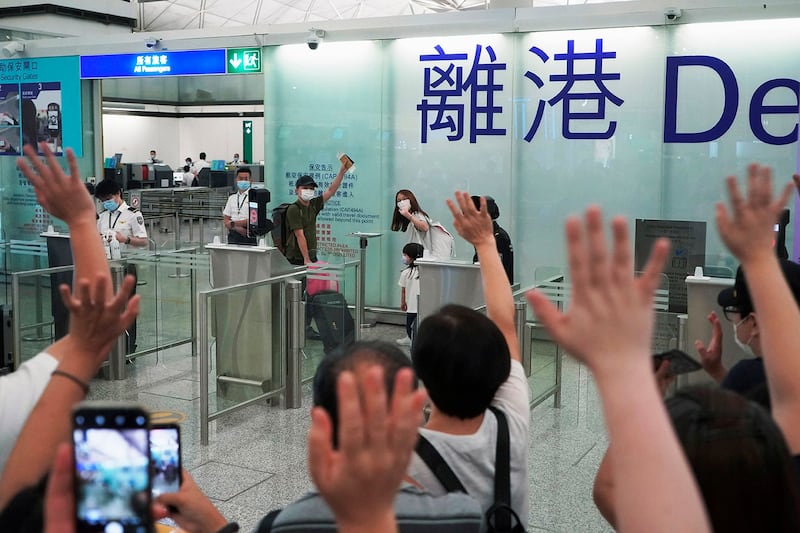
{"points": [[115, 370], [296, 334], [362, 280]]}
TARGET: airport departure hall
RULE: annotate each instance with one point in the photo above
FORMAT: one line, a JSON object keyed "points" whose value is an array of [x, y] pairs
{"points": [[204, 123]]}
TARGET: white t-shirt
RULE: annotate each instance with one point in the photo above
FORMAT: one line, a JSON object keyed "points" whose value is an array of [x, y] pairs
{"points": [[409, 280], [19, 392], [237, 206], [199, 165], [415, 235], [471, 457]]}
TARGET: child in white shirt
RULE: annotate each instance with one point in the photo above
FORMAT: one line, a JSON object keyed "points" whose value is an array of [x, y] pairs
{"points": [[409, 281]]}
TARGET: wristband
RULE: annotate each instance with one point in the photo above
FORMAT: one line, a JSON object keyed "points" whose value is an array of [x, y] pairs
{"points": [[128, 240], [231, 527], [82, 384]]}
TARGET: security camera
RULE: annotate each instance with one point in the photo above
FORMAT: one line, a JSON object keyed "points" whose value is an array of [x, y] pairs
{"points": [[152, 43], [13, 48], [673, 13], [314, 38]]}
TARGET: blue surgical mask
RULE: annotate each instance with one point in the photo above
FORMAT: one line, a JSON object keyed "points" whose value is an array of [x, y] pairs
{"points": [[110, 204], [243, 185], [405, 260]]}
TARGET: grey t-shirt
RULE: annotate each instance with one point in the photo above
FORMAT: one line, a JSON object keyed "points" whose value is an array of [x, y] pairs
{"points": [[472, 456]]}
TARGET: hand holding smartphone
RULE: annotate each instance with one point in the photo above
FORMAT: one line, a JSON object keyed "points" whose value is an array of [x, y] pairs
{"points": [[165, 457], [679, 362], [112, 468]]}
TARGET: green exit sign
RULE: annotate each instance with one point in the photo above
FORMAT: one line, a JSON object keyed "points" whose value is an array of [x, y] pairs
{"points": [[244, 60]]}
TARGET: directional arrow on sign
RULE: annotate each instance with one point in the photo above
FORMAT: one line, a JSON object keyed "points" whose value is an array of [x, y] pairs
{"points": [[235, 61]]}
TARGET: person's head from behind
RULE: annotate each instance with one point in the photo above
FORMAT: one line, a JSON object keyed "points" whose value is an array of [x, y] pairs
{"points": [[491, 206], [109, 193], [186, 168], [404, 199], [737, 306], [411, 252], [739, 459], [203, 156], [357, 358], [243, 176], [462, 358]]}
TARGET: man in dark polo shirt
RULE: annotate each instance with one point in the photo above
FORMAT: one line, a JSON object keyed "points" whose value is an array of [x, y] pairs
{"points": [[301, 218]]}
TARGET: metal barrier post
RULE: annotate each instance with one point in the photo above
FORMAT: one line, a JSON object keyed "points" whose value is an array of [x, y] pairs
{"points": [[39, 335], [192, 304], [15, 320], [205, 356], [520, 308], [116, 360], [683, 326], [295, 341], [360, 288]]}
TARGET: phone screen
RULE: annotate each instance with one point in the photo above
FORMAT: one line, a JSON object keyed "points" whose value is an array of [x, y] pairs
{"points": [[112, 469], [165, 455], [52, 117]]}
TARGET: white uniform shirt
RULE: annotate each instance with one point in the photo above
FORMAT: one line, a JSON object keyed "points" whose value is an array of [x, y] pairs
{"points": [[199, 165], [125, 219], [237, 206], [409, 280]]}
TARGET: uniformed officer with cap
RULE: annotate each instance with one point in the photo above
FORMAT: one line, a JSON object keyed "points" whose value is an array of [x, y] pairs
{"points": [[123, 223]]}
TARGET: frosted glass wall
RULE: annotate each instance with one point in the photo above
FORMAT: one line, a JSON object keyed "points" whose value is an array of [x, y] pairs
{"points": [[643, 121]]}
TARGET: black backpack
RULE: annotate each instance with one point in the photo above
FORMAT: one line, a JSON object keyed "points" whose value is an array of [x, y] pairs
{"points": [[500, 517], [279, 233]]}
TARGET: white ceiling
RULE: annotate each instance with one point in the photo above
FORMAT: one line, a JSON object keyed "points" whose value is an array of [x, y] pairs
{"points": [[162, 15]]}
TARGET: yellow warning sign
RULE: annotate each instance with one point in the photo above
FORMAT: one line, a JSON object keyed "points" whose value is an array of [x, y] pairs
{"points": [[167, 417]]}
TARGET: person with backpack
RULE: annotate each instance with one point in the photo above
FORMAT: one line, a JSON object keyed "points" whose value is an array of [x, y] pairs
{"points": [[409, 283], [471, 366], [301, 217], [409, 217]]}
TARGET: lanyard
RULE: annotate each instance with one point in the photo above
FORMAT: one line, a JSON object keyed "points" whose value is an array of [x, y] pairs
{"points": [[240, 204], [110, 225]]}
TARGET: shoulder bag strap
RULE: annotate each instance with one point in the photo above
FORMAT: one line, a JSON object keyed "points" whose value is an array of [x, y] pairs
{"points": [[502, 469], [431, 457]]}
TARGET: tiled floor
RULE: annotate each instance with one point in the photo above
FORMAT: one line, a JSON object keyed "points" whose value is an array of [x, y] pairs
{"points": [[256, 458]]}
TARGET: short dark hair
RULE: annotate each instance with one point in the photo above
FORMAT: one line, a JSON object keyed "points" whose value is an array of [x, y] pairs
{"points": [[186, 168], [378, 353], [414, 250], [107, 188], [739, 458], [245, 170], [202, 155], [462, 358]]}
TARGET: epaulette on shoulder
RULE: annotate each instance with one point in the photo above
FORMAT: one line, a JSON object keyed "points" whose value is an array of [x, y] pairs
{"points": [[133, 209]]}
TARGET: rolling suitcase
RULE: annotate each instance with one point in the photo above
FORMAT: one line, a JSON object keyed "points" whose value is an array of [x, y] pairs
{"points": [[333, 319]]}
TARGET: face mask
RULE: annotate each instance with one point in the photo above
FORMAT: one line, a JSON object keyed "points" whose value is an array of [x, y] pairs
{"points": [[405, 260], [744, 346], [404, 204], [243, 185], [307, 194], [110, 204]]}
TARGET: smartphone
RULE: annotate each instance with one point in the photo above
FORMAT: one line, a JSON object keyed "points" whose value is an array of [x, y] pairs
{"points": [[53, 118], [112, 468], [165, 458], [679, 362]]}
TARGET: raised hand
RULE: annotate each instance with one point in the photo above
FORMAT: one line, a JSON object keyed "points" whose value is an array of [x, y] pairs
{"points": [[359, 480], [609, 321], [711, 355], [63, 196], [190, 508], [747, 230], [474, 225], [96, 321]]}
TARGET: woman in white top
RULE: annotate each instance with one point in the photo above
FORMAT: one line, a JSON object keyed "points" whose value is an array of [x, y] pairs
{"points": [[409, 217]]}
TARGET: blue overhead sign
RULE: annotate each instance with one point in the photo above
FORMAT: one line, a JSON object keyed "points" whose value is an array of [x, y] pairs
{"points": [[154, 64]]}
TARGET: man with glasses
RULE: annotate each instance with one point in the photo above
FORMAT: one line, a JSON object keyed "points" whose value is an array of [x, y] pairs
{"points": [[747, 375]]}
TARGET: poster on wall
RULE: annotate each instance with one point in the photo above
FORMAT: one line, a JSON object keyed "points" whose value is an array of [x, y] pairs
{"points": [[40, 101]]}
